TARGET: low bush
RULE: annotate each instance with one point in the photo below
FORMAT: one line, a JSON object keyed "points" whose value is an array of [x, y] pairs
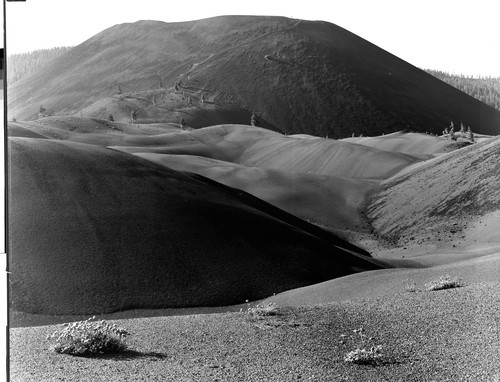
{"points": [[263, 310], [364, 354], [444, 282], [89, 337]]}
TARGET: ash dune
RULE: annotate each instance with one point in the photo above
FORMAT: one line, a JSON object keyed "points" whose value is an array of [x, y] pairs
{"points": [[100, 132], [300, 76], [257, 147], [422, 145], [377, 284], [94, 230], [330, 201]]}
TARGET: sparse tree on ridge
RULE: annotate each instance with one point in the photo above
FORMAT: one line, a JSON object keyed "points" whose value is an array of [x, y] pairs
{"points": [[254, 120], [452, 134], [133, 116], [462, 129], [182, 123], [470, 134], [119, 89]]}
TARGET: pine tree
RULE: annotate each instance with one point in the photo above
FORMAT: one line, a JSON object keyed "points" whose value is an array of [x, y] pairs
{"points": [[254, 120], [470, 134], [462, 129], [452, 134]]}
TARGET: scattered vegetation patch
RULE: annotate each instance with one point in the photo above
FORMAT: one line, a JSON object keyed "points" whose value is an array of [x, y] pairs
{"points": [[444, 282], [88, 338], [366, 353], [263, 310]]}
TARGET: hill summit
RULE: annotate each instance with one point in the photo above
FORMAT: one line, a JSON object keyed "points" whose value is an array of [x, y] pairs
{"points": [[297, 76]]}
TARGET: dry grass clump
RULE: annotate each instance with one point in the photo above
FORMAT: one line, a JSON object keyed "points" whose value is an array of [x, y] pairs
{"points": [[263, 310], [89, 337], [364, 354], [444, 282]]}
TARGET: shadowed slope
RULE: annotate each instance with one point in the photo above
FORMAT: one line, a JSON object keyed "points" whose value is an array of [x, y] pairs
{"points": [[93, 230], [256, 147], [331, 201], [299, 76]]}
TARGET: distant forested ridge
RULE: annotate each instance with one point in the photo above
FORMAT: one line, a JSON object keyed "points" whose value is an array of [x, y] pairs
{"points": [[23, 64], [485, 89]]}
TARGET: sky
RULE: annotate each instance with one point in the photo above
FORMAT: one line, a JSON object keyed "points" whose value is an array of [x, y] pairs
{"points": [[459, 36]]}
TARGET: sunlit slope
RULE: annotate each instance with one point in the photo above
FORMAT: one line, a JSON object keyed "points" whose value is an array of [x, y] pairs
{"points": [[256, 147], [451, 200], [409, 143], [94, 230]]}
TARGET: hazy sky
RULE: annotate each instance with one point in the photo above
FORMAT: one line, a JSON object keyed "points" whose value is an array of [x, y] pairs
{"points": [[456, 36]]}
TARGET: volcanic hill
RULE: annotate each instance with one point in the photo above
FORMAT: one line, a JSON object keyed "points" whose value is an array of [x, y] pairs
{"points": [[298, 76]]}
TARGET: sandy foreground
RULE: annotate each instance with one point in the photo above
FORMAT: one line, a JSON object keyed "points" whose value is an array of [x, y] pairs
{"points": [[449, 335]]}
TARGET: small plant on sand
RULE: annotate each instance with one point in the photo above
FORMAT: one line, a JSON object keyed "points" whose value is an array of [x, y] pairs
{"points": [[410, 285], [364, 354], [444, 282], [263, 310], [89, 337]]}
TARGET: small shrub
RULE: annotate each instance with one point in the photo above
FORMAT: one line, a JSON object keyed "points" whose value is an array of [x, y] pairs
{"points": [[444, 282], [89, 337], [364, 354], [263, 310], [410, 285]]}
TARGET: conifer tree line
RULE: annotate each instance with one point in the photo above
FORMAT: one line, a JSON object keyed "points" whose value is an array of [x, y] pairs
{"points": [[485, 89], [23, 64]]}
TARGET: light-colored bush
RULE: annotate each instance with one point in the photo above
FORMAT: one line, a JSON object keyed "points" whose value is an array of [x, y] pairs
{"points": [[364, 354], [263, 310], [89, 337], [444, 282]]}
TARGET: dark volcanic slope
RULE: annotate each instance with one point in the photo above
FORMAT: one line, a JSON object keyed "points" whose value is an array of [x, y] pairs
{"points": [[94, 230], [300, 76]]}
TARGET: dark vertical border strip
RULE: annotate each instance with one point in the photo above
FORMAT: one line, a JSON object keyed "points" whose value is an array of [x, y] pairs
{"points": [[5, 197]]}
